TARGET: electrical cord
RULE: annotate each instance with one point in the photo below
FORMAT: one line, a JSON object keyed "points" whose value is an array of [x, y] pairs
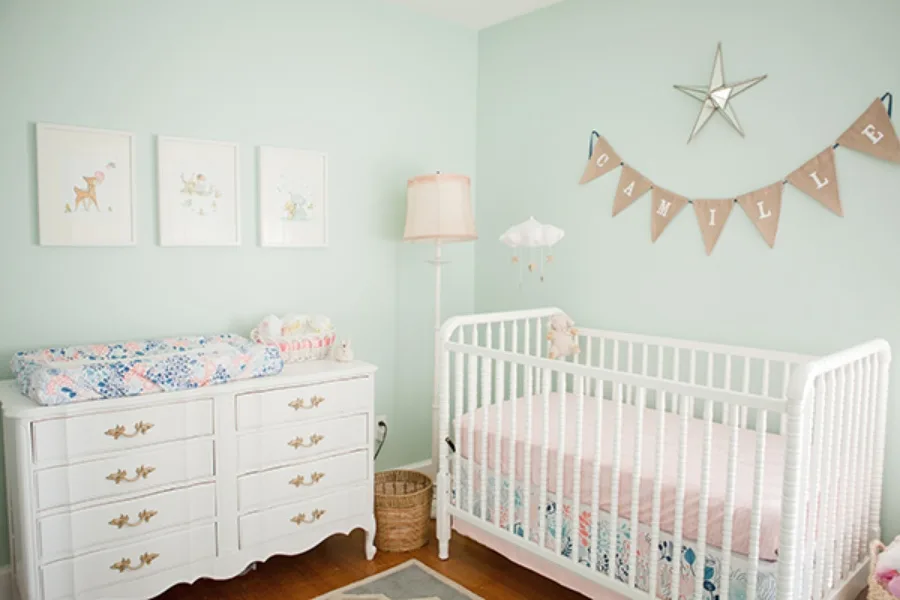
{"points": [[381, 425]]}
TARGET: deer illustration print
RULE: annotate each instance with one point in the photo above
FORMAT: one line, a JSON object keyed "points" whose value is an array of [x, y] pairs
{"points": [[88, 195]]}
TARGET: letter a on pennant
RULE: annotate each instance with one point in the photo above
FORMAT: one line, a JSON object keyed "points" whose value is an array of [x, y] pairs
{"points": [[603, 160], [764, 209], [873, 133], [664, 207], [818, 179], [632, 185], [711, 216]]}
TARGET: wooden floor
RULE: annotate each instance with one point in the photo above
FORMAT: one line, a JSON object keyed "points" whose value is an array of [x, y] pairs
{"points": [[339, 561]]}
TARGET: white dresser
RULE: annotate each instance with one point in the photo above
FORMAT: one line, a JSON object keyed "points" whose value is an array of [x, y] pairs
{"points": [[125, 498]]}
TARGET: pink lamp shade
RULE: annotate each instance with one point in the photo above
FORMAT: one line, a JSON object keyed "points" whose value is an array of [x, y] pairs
{"points": [[439, 207]]}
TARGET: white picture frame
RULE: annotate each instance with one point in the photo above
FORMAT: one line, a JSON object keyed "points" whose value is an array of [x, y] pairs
{"points": [[86, 186], [293, 198], [199, 192]]}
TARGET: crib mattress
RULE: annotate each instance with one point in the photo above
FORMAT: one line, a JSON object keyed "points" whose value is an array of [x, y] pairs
{"points": [[54, 376], [743, 507]]}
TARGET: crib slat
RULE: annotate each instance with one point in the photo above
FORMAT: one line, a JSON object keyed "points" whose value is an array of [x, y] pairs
{"points": [[882, 363], [745, 389], [734, 416], [657, 482], [678, 530], [538, 387], [560, 458], [529, 445], [576, 467], [825, 522], [594, 555], [843, 401], [486, 364], [513, 402], [500, 371], [616, 466], [636, 482], [869, 474], [816, 467], [704, 494], [472, 408], [545, 443], [843, 549], [756, 516], [855, 507]]}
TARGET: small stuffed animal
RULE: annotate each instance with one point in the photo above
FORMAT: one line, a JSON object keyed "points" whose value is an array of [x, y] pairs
{"points": [[343, 352], [887, 569], [562, 335]]}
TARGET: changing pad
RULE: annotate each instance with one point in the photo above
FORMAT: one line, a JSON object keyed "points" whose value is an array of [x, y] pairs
{"points": [[54, 376]]}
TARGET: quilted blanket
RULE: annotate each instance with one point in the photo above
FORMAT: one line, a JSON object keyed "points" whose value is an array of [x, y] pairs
{"points": [[54, 376]]}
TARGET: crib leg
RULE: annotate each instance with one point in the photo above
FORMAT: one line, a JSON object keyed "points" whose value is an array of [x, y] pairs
{"points": [[443, 515]]}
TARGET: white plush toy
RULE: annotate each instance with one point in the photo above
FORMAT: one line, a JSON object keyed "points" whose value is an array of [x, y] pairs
{"points": [[343, 352], [563, 338]]}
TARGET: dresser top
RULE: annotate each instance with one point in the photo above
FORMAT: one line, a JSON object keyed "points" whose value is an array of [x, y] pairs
{"points": [[17, 406]]}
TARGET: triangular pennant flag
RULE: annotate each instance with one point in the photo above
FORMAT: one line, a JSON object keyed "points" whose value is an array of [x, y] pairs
{"points": [[873, 133], [764, 209], [603, 160], [632, 185], [664, 207], [711, 215], [818, 178]]}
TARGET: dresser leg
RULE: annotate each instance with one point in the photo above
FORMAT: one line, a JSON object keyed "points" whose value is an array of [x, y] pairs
{"points": [[370, 541]]}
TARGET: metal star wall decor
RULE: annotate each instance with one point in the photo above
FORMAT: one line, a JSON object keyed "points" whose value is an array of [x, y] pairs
{"points": [[717, 96]]}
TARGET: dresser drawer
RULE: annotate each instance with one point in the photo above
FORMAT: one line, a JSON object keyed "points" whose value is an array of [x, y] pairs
{"points": [[131, 472], [276, 407], [302, 481], [128, 562], [301, 441], [310, 519], [68, 534], [58, 440]]}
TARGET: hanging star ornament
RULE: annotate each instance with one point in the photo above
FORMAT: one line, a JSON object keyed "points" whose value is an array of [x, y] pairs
{"points": [[718, 96]]}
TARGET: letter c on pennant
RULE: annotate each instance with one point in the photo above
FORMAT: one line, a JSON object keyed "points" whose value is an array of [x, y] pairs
{"points": [[602, 160]]}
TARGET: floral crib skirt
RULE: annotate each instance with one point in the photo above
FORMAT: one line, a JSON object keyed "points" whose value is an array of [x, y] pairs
{"points": [[54, 376], [578, 532]]}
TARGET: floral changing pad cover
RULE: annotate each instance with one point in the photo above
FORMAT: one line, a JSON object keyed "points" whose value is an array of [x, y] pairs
{"points": [[54, 376]]}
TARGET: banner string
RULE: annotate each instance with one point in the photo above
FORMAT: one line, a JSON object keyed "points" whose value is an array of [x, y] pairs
{"points": [[596, 135]]}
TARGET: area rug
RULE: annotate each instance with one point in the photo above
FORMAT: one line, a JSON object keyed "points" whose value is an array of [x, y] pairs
{"points": [[410, 581]]}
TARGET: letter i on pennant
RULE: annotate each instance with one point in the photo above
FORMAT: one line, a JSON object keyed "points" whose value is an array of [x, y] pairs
{"points": [[711, 216]]}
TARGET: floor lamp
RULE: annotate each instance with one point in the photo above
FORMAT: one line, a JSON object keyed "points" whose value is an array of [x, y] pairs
{"points": [[439, 210]]}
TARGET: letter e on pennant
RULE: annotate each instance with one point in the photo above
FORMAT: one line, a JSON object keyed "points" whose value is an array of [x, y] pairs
{"points": [[873, 133]]}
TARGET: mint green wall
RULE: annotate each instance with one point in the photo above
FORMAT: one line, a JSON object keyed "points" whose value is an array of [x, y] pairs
{"points": [[547, 79], [387, 93]]}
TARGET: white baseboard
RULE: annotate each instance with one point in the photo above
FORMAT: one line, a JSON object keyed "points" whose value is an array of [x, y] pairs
{"points": [[423, 466]]}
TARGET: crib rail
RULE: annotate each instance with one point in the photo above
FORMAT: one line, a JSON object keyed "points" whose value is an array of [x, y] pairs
{"points": [[589, 440]]}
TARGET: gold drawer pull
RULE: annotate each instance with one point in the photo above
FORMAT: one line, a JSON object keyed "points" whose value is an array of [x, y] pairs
{"points": [[125, 564], [301, 480], [299, 403], [299, 442], [121, 475], [143, 517], [301, 518], [140, 428]]}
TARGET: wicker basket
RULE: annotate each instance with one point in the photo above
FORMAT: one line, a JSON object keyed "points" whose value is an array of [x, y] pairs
{"points": [[402, 510], [876, 591], [300, 349]]}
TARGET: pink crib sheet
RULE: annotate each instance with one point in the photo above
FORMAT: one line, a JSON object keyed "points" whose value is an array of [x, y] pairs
{"points": [[743, 504]]}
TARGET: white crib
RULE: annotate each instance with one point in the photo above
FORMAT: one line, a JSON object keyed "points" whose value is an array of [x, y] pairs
{"points": [[683, 501]]}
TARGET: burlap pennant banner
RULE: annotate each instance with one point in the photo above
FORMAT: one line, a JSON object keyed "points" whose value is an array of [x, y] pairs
{"points": [[764, 209], [664, 207], [711, 216], [632, 185], [818, 178], [603, 160], [873, 133]]}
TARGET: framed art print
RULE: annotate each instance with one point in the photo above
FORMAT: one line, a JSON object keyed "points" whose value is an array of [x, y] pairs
{"points": [[86, 187], [293, 198], [199, 193]]}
